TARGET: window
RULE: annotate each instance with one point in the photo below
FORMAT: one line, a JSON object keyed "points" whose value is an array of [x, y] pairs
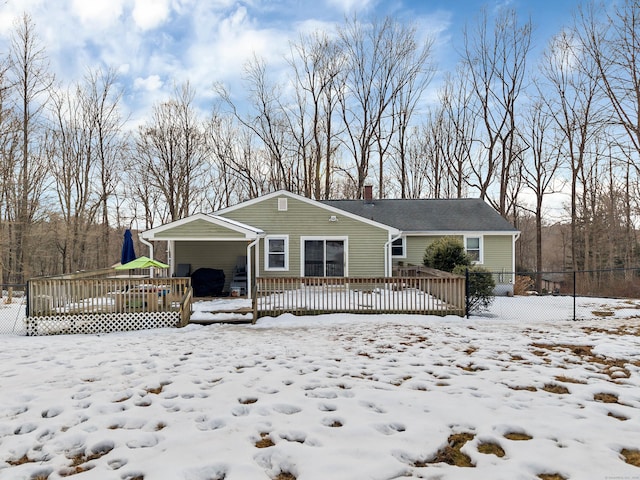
{"points": [[282, 204], [277, 253], [397, 248], [473, 248], [324, 257]]}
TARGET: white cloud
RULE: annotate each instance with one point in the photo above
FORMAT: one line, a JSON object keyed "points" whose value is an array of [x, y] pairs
{"points": [[350, 5], [150, 14], [224, 43], [100, 13], [151, 83]]}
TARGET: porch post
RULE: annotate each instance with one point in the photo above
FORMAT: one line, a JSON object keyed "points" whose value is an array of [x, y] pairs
{"points": [[253, 244]]}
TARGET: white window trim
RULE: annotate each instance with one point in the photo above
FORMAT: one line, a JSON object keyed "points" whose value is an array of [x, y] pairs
{"points": [[480, 247], [404, 248], [346, 251], [267, 268]]}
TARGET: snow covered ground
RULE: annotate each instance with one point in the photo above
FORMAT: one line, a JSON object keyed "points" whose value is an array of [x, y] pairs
{"points": [[332, 397]]}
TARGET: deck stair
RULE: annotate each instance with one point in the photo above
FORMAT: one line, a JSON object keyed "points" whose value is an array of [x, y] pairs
{"points": [[226, 314]]}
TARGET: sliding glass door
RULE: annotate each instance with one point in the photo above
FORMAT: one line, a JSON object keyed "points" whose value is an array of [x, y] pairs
{"points": [[324, 258]]}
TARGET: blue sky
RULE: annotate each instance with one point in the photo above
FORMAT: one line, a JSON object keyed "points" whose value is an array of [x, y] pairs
{"points": [[154, 44]]}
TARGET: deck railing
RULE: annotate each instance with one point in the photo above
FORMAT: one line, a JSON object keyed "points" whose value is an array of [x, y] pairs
{"points": [[315, 295], [63, 296]]}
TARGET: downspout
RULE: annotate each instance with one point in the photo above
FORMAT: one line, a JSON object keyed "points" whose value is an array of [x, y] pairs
{"points": [[513, 258], [388, 260], [150, 245], [251, 245]]}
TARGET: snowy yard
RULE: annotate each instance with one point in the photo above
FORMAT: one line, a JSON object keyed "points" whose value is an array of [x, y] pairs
{"points": [[513, 394]]}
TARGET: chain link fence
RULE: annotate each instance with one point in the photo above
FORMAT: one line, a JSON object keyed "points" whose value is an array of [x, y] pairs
{"points": [[13, 303], [559, 295]]}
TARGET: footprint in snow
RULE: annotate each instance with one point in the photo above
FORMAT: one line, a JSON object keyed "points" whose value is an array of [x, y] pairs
{"points": [[390, 428], [240, 411], [268, 390], [132, 476], [329, 394], [332, 422], [210, 472], [25, 428], [373, 407], [294, 436], [144, 441], [117, 463], [80, 395], [204, 424], [14, 411], [46, 435], [287, 409], [327, 407]]}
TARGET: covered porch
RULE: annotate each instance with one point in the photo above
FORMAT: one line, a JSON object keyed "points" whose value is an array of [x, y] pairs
{"points": [[222, 251]]}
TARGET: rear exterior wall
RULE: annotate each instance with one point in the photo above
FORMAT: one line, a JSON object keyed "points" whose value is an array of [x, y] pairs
{"points": [[365, 243]]}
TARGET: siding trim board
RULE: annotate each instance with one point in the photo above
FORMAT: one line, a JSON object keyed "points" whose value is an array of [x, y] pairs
{"points": [[164, 232], [332, 210], [458, 233]]}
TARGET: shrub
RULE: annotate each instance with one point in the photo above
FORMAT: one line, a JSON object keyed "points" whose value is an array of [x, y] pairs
{"points": [[480, 288], [446, 254]]}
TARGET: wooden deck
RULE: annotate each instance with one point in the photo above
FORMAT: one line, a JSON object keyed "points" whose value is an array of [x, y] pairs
{"points": [[441, 296]]}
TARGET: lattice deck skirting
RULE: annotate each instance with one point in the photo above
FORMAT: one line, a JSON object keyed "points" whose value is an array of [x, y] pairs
{"points": [[100, 322]]}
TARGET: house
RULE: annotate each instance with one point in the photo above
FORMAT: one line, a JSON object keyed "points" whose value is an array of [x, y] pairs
{"points": [[282, 234]]}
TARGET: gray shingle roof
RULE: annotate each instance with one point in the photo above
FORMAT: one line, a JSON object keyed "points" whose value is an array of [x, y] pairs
{"points": [[422, 215]]}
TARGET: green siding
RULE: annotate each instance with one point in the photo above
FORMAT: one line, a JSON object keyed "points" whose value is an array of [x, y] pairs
{"points": [[220, 255], [199, 229], [416, 247], [498, 253], [365, 254]]}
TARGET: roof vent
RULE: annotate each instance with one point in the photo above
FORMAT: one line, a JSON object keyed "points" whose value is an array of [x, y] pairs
{"points": [[282, 204]]}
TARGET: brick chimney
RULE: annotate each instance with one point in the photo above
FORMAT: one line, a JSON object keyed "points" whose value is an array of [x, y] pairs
{"points": [[368, 194]]}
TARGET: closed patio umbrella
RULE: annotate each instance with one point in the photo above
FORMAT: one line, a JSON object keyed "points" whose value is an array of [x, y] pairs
{"points": [[128, 252]]}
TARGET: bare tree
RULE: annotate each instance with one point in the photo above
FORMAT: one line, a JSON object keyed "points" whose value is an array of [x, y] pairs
{"points": [[460, 124], [495, 58], [414, 76], [102, 99], [611, 38], [571, 98], [86, 148], [269, 122], [8, 158], [172, 149], [539, 171], [383, 60], [73, 166], [31, 80], [316, 63], [239, 173]]}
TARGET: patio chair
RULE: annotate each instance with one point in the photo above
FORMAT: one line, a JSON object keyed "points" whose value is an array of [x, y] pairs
{"points": [[239, 279], [183, 270]]}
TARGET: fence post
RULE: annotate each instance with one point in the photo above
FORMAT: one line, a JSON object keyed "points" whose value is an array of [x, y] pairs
{"points": [[26, 298], [466, 291], [574, 295]]}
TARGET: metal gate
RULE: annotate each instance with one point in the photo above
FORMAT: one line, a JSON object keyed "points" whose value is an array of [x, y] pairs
{"points": [[13, 301]]}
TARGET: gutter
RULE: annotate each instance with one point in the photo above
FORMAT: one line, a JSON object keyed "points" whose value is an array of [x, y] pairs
{"points": [[516, 236], [150, 245]]}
